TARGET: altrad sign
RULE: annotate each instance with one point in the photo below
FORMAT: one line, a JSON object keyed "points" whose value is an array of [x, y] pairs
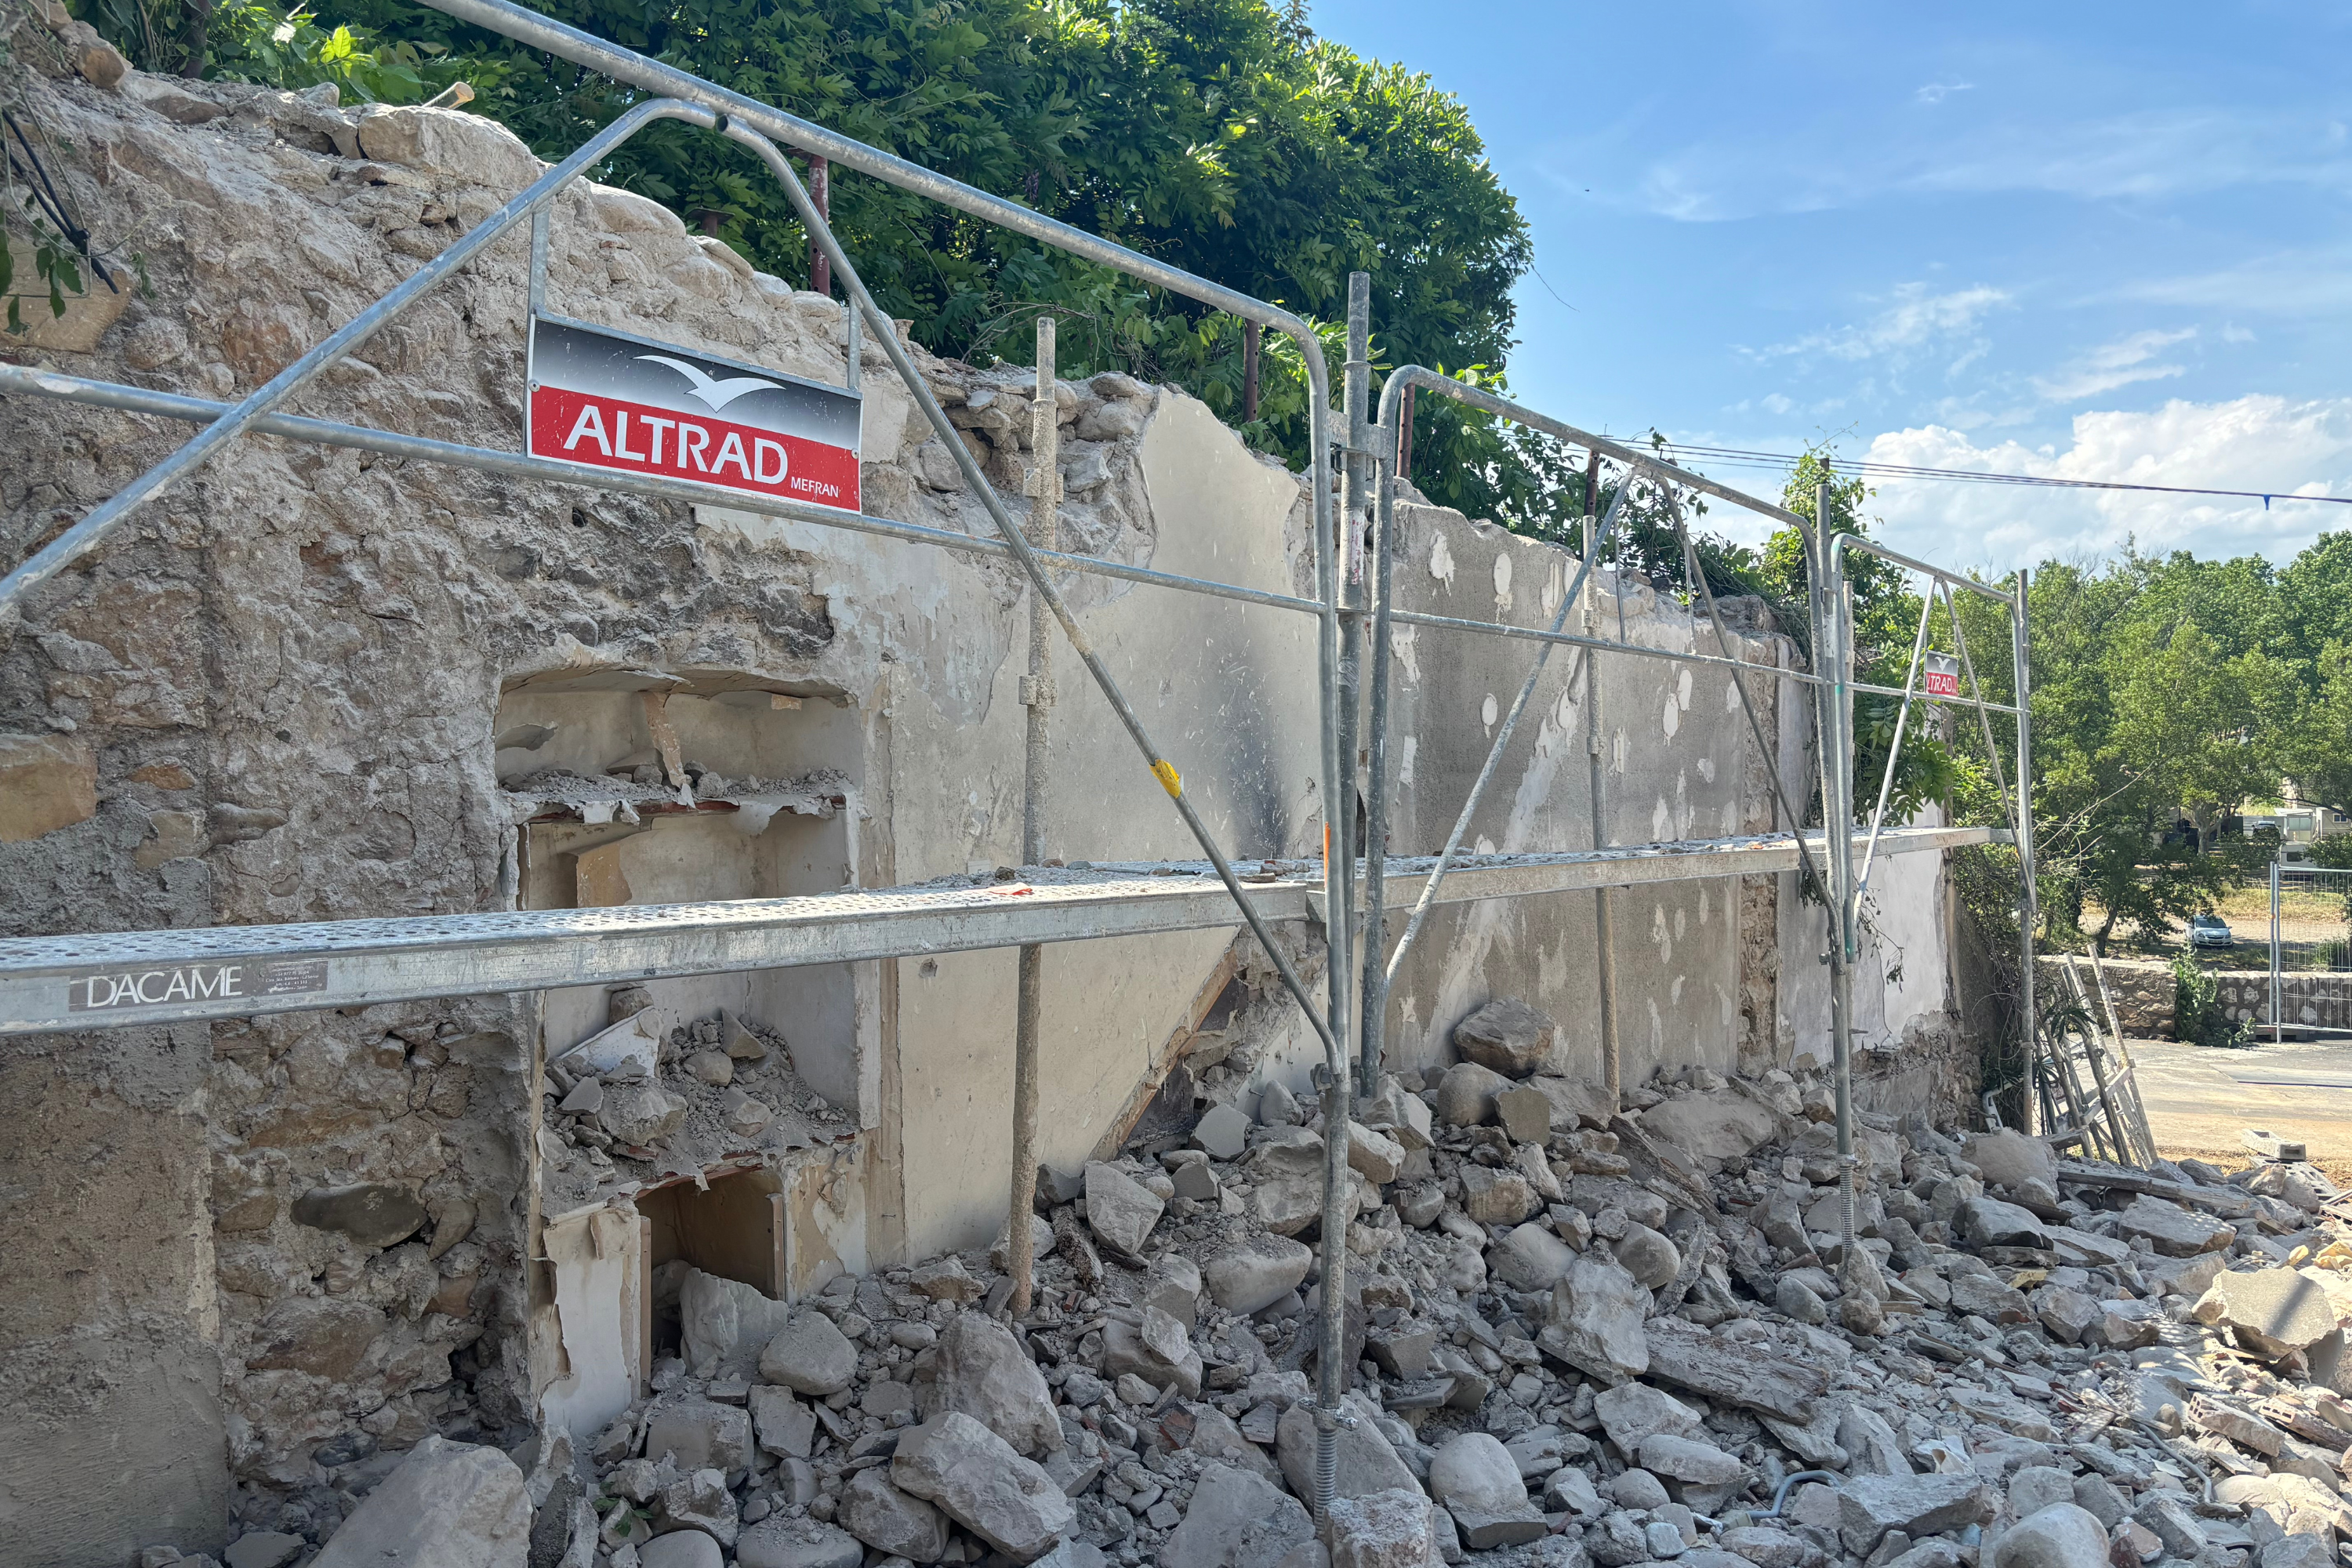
{"points": [[611, 401]]}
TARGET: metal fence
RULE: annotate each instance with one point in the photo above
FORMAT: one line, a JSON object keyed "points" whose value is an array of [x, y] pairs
{"points": [[94, 980]]}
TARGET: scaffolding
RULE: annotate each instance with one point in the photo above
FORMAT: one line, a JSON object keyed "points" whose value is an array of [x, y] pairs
{"points": [[82, 982]]}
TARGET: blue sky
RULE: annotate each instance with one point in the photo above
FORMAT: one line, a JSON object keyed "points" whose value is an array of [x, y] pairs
{"points": [[2094, 241]]}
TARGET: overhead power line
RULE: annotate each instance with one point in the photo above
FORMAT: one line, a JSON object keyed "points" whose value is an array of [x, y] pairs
{"points": [[1744, 458]]}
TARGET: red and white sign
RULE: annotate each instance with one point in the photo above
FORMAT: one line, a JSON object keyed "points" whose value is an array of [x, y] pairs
{"points": [[1942, 675], [605, 400]]}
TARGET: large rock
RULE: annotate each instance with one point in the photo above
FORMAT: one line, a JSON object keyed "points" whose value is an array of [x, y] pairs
{"points": [[890, 1521], [1478, 1481], [783, 1425], [1367, 1464], [1121, 1211], [1689, 1460], [1258, 1273], [1506, 1036], [1376, 1155], [1285, 1173], [1988, 1221], [640, 1113], [726, 1324], [449, 1505], [47, 782], [1870, 1506], [1382, 1529], [1238, 1519], [781, 1541], [1530, 1257], [679, 1548], [1575, 1101], [1690, 1358], [1597, 1310], [1648, 1256], [1465, 1095], [809, 1355], [1221, 1132], [2059, 1536], [1498, 1196], [2172, 1230], [1174, 1287], [979, 1369], [450, 143], [976, 1478], [1632, 1412], [1157, 1349], [700, 1434], [373, 1214], [2272, 1311], [2009, 1158], [1720, 1124]]}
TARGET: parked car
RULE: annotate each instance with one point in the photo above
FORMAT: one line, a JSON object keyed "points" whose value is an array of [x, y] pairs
{"points": [[2210, 931]]}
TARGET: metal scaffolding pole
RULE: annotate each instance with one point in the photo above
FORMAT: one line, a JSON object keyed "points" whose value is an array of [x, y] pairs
{"points": [[1604, 942], [1044, 488], [1832, 614]]}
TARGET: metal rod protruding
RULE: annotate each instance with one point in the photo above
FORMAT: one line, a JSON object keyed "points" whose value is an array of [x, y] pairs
{"points": [[1044, 488]]}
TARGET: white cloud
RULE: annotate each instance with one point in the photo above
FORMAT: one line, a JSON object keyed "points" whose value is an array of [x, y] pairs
{"points": [[1914, 320], [2119, 364], [1937, 91], [2246, 444]]}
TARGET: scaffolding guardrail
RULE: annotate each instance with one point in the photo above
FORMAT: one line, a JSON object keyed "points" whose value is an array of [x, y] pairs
{"points": [[243, 972]]}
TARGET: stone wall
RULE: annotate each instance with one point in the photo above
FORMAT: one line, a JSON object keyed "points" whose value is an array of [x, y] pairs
{"points": [[262, 1259], [2143, 992]]}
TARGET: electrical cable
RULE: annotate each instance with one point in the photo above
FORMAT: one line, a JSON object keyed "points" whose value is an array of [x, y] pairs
{"points": [[1746, 457]]}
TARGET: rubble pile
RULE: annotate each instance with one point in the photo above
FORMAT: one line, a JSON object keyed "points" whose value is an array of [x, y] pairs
{"points": [[1576, 1335], [647, 1099]]}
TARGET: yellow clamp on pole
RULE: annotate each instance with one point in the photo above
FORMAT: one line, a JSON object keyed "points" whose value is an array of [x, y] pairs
{"points": [[1169, 779]]}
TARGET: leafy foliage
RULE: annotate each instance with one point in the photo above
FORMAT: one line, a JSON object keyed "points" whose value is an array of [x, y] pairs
{"points": [[2197, 1016]]}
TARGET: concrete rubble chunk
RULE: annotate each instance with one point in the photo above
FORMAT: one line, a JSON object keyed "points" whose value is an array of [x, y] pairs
{"points": [[1575, 1101], [1494, 1196], [1597, 1310], [1531, 1257], [781, 1541], [700, 1501], [264, 1549], [1377, 1155], [640, 1113], [947, 1279], [2171, 1229], [1872, 1447], [981, 1370], [1631, 1412], [1382, 1529], [1157, 1349], [1775, 1385], [448, 1505], [1524, 1113], [1507, 1037], [891, 1521], [1870, 1506], [980, 1483], [726, 1324], [1119, 1210], [1719, 1125], [1478, 1481], [1238, 1519], [1366, 1463], [2009, 1158], [1465, 1095], [1222, 1131], [699, 1434], [681, 1548], [1688, 1459], [810, 1355], [1258, 1273], [1988, 1221], [2272, 1311], [784, 1425], [1648, 1256]]}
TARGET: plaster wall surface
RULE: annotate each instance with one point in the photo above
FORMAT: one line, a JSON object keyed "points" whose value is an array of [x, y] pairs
{"points": [[286, 679]]}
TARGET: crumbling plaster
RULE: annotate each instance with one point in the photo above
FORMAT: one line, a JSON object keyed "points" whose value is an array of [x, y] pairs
{"points": [[285, 673]]}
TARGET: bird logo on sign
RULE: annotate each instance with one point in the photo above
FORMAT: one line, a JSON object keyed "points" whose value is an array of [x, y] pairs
{"points": [[712, 394]]}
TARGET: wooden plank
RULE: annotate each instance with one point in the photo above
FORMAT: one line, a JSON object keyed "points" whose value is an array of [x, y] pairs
{"points": [[2227, 1201]]}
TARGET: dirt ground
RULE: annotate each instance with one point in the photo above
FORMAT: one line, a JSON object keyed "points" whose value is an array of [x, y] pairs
{"points": [[2200, 1101]]}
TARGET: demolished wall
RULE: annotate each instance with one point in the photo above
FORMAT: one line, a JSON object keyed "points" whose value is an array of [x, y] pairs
{"points": [[304, 685]]}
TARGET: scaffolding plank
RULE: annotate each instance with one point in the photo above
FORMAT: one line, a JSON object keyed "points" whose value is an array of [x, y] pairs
{"points": [[115, 979]]}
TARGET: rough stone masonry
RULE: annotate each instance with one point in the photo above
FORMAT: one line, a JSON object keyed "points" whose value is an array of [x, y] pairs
{"points": [[281, 1289]]}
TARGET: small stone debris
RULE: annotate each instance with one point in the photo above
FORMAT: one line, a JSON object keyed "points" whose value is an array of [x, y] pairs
{"points": [[1574, 1336]]}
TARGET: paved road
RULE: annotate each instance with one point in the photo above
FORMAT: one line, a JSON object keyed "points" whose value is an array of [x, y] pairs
{"points": [[2199, 1099]]}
